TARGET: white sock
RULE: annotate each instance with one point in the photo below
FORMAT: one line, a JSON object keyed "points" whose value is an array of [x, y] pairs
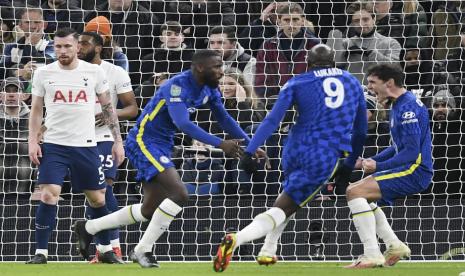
{"points": [[115, 243], [42, 251], [383, 229], [271, 241], [160, 222], [364, 221], [125, 216], [262, 224]]}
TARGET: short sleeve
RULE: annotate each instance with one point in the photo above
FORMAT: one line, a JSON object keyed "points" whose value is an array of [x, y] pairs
{"points": [[101, 81], [37, 84], [123, 82]]}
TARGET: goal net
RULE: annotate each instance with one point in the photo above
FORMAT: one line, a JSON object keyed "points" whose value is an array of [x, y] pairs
{"points": [[424, 37]]}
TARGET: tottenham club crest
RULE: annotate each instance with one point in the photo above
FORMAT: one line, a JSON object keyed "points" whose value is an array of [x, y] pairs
{"points": [[175, 90], [164, 159]]}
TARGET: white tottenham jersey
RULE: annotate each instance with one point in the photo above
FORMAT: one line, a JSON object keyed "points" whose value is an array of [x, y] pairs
{"points": [[119, 83], [69, 97]]}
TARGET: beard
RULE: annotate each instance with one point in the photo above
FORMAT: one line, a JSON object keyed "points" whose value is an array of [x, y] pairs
{"points": [[89, 56], [211, 82], [66, 61]]}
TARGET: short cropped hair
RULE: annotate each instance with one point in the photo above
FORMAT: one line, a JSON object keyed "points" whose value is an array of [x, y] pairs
{"points": [[25, 10], [64, 32], [289, 8], [96, 38], [229, 31], [359, 6], [387, 71], [200, 56], [173, 26]]}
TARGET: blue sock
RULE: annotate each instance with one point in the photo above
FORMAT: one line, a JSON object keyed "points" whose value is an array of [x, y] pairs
{"points": [[45, 223], [102, 237], [112, 205]]}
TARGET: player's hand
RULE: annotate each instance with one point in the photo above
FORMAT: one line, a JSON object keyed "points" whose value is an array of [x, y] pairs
{"points": [[35, 152], [261, 154], [99, 121], [369, 165], [248, 164], [358, 163], [232, 148], [341, 179], [117, 151]]}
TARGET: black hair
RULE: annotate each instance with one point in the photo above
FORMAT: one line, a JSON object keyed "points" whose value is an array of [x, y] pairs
{"points": [[173, 26], [200, 56], [229, 31], [64, 32], [386, 71], [96, 38]]}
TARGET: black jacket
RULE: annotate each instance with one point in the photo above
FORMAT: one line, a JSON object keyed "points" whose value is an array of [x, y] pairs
{"points": [[135, 31]]}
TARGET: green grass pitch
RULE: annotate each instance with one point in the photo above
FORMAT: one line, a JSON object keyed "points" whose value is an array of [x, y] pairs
{"points": [[235, 268]]}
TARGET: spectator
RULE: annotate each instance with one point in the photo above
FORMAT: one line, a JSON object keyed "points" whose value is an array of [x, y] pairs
{"points": [[423, 76], [223, 39], [447, 33], [133, 29], [414, 25], [387, 23], [59, 14], [284, 55], [173, 55], [418, 72], [239, 100], [447, 143], [147, 89], [35, 45], [201, 174], [198, 15], [88, 5], [265, 27], [15, 168], [7, 34], [363, 46], [111, 51]]}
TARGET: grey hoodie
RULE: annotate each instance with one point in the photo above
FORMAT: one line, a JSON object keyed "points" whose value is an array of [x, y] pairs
{"points": [[249, 70], [14, 128]]}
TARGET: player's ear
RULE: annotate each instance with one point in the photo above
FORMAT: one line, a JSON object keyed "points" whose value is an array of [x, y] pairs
{"points": [[98, 49], [390, 83]]}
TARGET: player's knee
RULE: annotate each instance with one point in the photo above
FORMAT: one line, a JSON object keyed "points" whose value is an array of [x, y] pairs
{"points": [[147, 212], [352, 192], [180, 198], [96, 198], [49, 197]]}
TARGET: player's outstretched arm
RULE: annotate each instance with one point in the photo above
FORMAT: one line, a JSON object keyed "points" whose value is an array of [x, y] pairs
{"points": [[271, 121], [111, 119], [178, 112], [225, 120], [35, 122]]}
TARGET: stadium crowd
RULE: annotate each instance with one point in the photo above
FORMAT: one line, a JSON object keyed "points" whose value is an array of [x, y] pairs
{"points": [[263, 45]]}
